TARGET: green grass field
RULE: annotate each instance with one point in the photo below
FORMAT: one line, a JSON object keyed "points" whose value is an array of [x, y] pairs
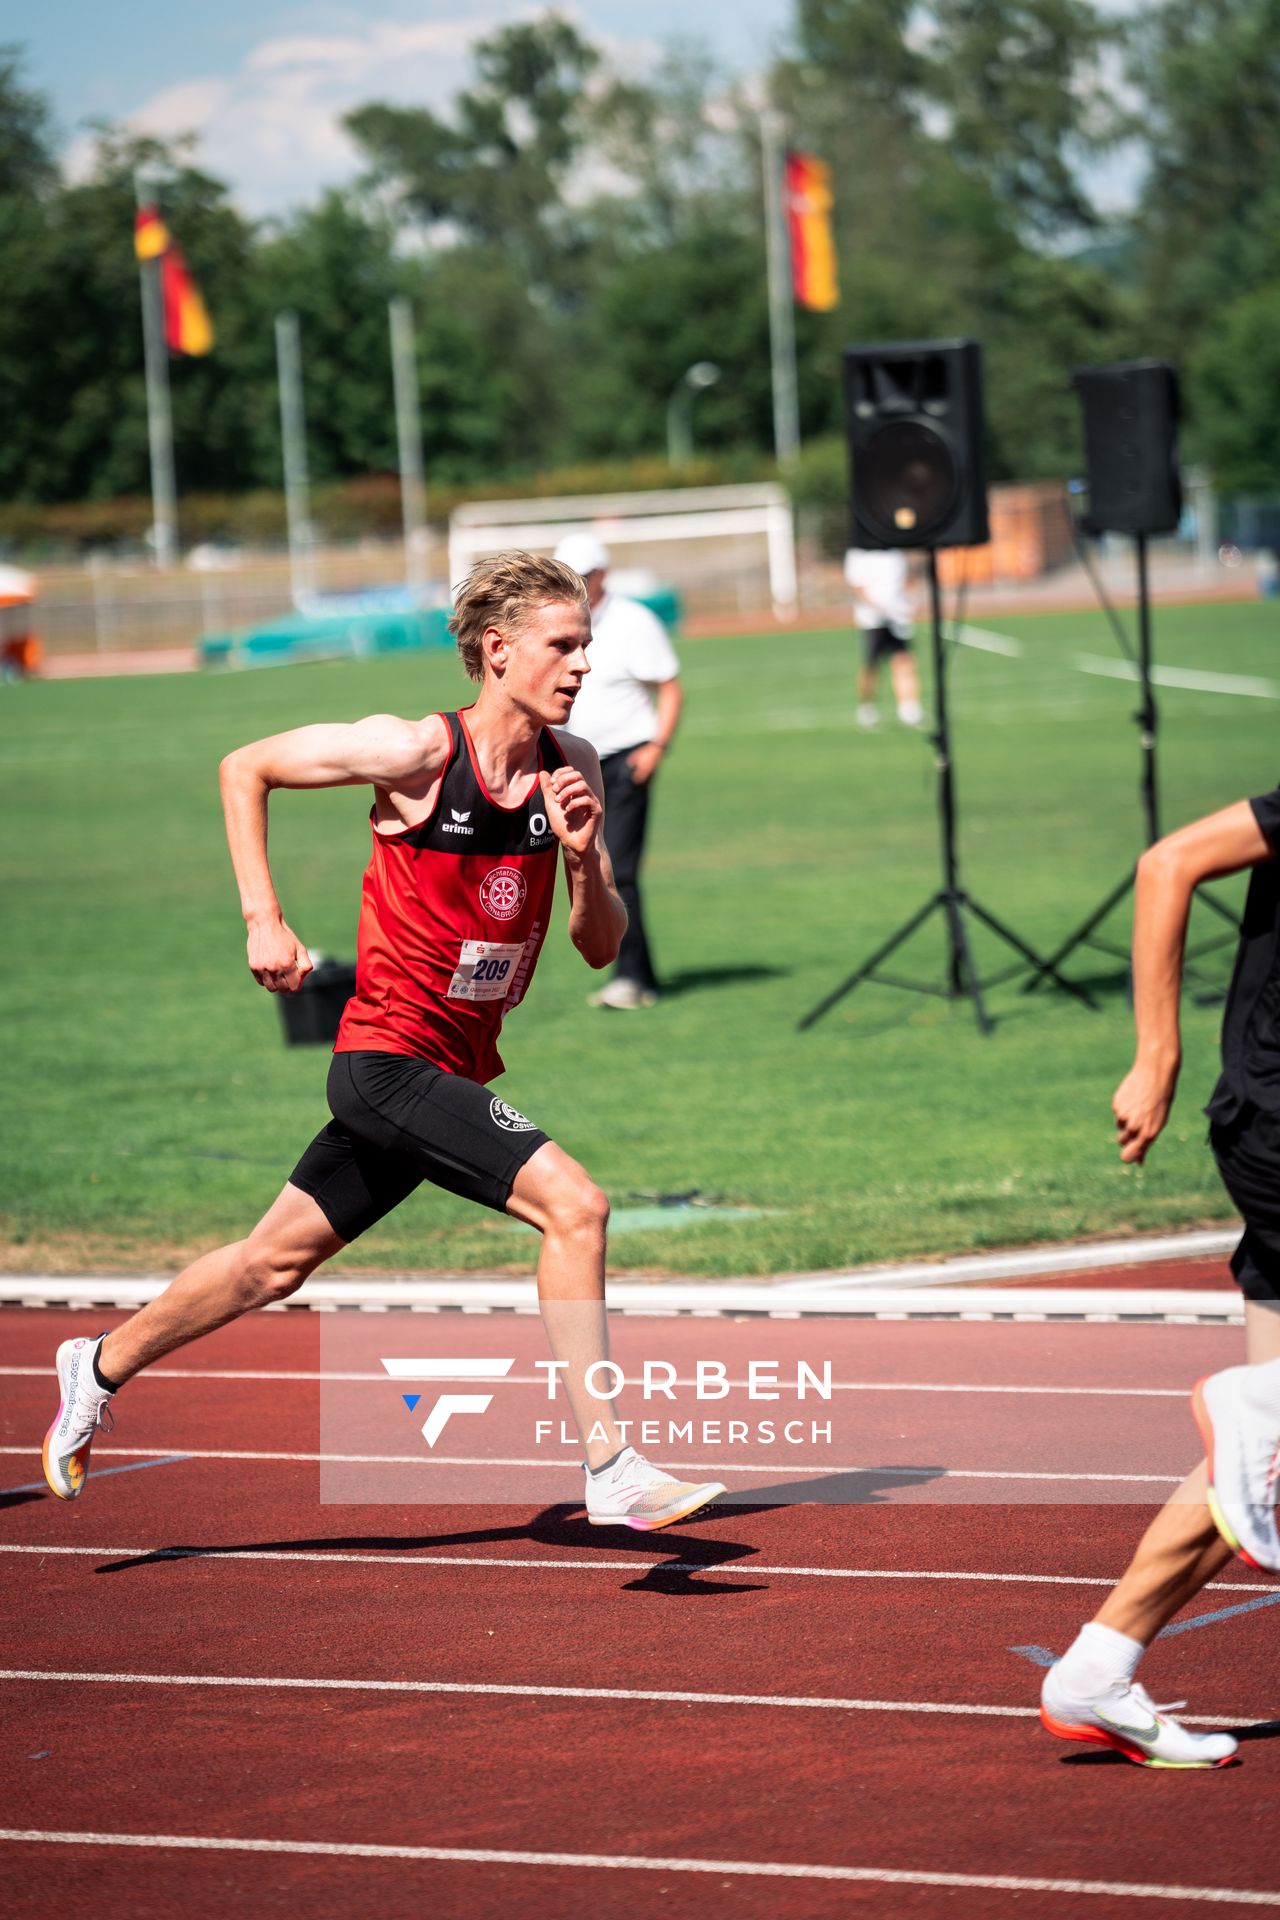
{"points": [[152, 1108]]}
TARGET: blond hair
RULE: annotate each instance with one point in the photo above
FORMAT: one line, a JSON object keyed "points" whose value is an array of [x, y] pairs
{"points": [[502, 592]]}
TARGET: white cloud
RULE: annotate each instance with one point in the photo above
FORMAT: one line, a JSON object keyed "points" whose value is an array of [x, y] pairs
{"points": [[272, 128]]}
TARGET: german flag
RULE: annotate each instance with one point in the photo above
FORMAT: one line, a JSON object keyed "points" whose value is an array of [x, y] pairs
{"points": [[150, 234], [187, 326], [814, 280]]}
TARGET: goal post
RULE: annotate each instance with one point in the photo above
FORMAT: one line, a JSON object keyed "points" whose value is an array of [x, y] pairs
{"points": [[657, 527]]}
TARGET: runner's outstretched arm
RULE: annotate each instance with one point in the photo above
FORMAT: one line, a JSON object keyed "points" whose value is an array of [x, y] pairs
{"points": [[1168, 875], [382, 751], [574, 795]]}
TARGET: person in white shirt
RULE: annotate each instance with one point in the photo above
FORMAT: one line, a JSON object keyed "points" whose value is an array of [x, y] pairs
{"points": [[628, 708], [884, 608]]}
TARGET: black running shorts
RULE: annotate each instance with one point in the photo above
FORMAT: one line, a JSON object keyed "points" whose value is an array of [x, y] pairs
{"points": [[398, 1121], [881, 643], [1247, 1150]]}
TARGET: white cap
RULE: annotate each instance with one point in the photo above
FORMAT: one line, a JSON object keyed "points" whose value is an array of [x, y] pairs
{"points": [[583, 552]]}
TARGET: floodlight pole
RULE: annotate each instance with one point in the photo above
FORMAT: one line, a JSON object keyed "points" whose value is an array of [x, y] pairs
{"points": [[694, 379], [164, 492], [782, 324], [951, 900], [293, 437], [404, 368]]}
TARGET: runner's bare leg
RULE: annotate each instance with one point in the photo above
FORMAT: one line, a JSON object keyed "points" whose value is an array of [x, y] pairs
{"points": [[553, 1193], [1182, 1550], [291, 1240]]}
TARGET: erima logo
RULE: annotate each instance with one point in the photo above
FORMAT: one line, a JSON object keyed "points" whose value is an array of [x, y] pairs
{"points": [[459, 822], [448, 1404]]}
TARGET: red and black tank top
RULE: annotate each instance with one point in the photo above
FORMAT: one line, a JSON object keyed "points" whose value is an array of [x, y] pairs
{"points": [[452, 918]]}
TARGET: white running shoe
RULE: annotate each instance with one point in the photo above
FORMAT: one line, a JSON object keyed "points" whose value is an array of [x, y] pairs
{"points": [[634, 1494], [868, 717], [624, 995], [911, 713], [82, 1411], [1239, 1421], [1128, 1720]]}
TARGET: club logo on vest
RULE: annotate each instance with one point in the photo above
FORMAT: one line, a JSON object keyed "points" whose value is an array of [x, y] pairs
{"points": [[458, 824], [508, 1118], [502, 892]]}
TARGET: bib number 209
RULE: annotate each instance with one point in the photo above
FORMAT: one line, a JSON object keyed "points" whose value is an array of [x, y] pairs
{"points": [[485, 969]]}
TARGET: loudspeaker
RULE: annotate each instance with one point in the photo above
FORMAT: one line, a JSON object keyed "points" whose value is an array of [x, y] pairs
{"points": [[913, 415], [1131, 446]]}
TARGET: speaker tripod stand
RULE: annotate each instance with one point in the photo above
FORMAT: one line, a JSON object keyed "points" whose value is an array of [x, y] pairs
{"points": [[951, 900], [1147, 718]]}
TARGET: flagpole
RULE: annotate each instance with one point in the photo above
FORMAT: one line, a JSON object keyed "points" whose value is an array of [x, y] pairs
{"points": [[782, 331], [164, 512], [293, 437], [409, 437]]}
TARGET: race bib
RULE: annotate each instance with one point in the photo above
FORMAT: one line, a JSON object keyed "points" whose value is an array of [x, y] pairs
{"points": [[484, 969]]}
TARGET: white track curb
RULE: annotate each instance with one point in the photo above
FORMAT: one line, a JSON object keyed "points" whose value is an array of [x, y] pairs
{"points": [[1098, 1304]]}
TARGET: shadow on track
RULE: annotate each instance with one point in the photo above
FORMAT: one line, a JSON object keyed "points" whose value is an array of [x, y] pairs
{"points": [[563, 1525], [558, 1526], [1266, 1730]]}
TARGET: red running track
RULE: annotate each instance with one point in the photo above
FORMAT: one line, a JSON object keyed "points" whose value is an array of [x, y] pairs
{"points": [[837, 1632]]}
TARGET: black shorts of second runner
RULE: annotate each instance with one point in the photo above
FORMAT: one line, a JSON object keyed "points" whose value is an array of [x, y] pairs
{"points": [[881, 643], [1247, 1150], [398, 1121]]}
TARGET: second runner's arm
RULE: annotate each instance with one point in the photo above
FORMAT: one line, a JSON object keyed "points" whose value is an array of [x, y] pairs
{"points": [[1168, 875], [382, 751]]}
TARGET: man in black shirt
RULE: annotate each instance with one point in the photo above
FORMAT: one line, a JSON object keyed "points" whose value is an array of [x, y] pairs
{"points": [[1228, 1504]]}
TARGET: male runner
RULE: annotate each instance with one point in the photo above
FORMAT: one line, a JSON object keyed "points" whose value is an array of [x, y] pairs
{"points": [[1228, 1504], [469, 810]]}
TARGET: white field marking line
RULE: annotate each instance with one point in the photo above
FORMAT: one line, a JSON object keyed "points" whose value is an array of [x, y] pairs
{"points": [[758, 1467], [985, 641], [527, 1565], [647, 1863], [539, 1380], [1240, 683], [660, 1696]]}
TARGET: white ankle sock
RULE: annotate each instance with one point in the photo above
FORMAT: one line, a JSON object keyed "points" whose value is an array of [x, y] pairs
{"points": [[1098, 1660]]}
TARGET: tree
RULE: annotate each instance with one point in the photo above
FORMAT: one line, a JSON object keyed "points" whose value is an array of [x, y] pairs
{"points": [[1209, 72], [1236, 385], [1020, 83], [495, 174], [27, 163]]}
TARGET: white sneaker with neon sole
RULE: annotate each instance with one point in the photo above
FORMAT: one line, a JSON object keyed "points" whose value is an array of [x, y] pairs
{"points": [[634, 1494], [1128, 1720], [1238, 1414], [83, 1409]]}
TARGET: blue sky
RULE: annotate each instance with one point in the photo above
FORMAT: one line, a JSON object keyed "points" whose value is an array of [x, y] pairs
{"points": [[264, 84]]}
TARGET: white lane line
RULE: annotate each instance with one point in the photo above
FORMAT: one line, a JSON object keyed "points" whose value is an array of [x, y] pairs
{"points": [[540, 1380], [647, 1863], [1248, 685], [661, 1696], [765, 1470], [480, 1562], [756, 1469]]}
